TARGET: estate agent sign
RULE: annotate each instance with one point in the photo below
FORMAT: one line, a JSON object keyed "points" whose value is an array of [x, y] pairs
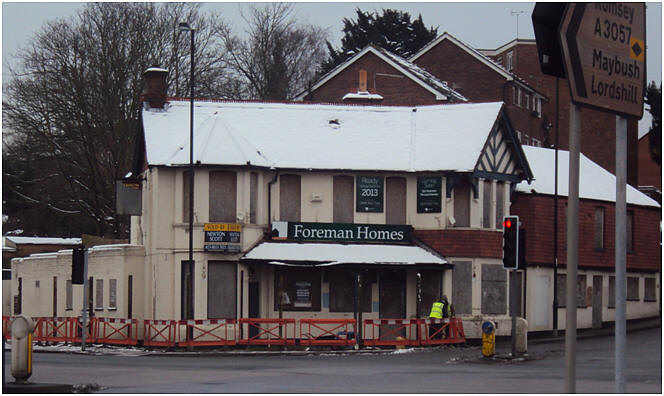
{"points": [[220, 237], [429, 193], [346, 232], [604, 47]]}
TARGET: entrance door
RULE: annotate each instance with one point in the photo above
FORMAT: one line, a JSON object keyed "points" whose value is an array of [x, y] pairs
{"points": [[187, 290], [392, 299], [222, 285], [254, 305], [597, 301]]}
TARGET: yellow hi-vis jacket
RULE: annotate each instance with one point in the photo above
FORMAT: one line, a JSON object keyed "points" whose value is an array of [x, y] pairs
{"points": [[437, 310]]}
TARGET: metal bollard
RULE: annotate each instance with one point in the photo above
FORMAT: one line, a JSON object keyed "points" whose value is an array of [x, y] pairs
{"points": [[22, 328], [488, 338]]}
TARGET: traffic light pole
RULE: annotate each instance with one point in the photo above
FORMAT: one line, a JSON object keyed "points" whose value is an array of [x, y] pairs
{"points": [[620, 252]]}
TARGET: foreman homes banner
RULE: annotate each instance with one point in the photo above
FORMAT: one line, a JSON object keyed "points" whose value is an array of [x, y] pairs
{"points": [[346, 232]]}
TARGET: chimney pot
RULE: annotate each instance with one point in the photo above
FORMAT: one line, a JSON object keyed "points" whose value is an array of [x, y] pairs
{"points": [[155, 87]]}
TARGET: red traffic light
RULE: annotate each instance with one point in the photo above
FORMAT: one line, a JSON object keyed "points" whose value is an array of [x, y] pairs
{"points": [[507, 223]]}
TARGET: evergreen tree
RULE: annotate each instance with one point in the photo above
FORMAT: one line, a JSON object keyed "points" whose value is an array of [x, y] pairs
{"points": [[654, 100], [393, 30]]}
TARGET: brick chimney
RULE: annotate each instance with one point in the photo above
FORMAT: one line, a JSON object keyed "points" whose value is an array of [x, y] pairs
{"points": [[155, 87]]}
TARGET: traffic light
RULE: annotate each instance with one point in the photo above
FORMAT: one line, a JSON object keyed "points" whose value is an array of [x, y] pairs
{"points": [[546, 20], [77, 263], [511, 242]]}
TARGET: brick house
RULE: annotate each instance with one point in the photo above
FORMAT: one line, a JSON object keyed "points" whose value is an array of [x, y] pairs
{"points": [[597, 127], [481, 78], [377, 76], [596, 261], [650, 174]]}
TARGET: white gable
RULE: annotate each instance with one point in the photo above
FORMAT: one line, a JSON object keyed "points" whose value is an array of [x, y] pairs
{"points": [[301, 136]]}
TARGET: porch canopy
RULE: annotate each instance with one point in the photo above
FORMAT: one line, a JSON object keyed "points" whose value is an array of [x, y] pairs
{"points": [[329, 254]]}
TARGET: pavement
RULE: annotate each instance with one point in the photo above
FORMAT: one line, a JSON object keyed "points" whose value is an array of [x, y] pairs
{"points": [[503, 346]]}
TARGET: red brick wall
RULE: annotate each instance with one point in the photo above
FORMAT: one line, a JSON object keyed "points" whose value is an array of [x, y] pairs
{"points": [[650, 174], [597, 127], [463, 243], [536, 215], [394, 90]]}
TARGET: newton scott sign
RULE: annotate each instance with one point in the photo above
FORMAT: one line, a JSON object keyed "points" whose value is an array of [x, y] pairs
{"points": [[342, 232]]}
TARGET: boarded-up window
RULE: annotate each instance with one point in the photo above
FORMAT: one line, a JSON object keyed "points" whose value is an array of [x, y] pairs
{"points": [[633, 288], [649, 292], [581, 284], [112, 294], [494, 289], [223, 196], [185, 196], [99, 294], [342, 209], [253, 197], [300, 289], [599, 228], [486, 204], [629, 235], [462, 204], [500, 204], [342, 291], [612, 292], [289, 198], [561, 286], [69, 299], [395, 200], [222, 285], [430, 289], [462, 290]]}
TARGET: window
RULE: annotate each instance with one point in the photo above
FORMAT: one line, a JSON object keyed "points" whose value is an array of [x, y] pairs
{"points": [[300, 289], [253, 197], [518, 98], [112, 293], [518, 135], [223, 196], [612, 292], [629, 235], [535, 142], [500, 204], [599, 228], [650, 293], [633, 288], [581, 291], [395, 200], [185, 196], [538, 107], [526, 140], [515, 98], [99, 294], [527, 100], [494, 289], [462, 204], [561, 285], [486, 204], [342, 205], [342, 291], [509, 60], [499, 60], [68, 296], [289, 197]]}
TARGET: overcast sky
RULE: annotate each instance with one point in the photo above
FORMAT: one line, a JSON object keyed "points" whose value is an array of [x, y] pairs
{"points": [[482, 25]]}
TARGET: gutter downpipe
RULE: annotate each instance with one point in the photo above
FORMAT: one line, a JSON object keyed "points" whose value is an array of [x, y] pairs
{"points": [[269, 197]]}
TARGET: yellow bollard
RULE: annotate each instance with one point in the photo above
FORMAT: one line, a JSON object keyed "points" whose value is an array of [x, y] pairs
{"points": [[488, 338]]}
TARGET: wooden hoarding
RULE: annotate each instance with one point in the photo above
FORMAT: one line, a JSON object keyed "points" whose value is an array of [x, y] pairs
{"points": [[604, 53]]}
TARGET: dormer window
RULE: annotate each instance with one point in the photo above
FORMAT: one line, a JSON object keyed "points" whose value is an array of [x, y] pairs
{"points": [[509, 61]]}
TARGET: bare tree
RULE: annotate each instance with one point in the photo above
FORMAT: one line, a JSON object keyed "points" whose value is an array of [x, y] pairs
{"points": [[279, 57], [71, 110]]}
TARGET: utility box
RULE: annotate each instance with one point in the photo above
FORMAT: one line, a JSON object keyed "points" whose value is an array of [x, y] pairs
{"points": [[22, 328], [488, 338]]}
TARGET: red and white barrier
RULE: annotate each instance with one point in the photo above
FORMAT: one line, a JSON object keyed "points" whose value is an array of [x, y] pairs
{"points": [[207, 332], [117, 331], [159, 333], [268, 331], [327, 331]]}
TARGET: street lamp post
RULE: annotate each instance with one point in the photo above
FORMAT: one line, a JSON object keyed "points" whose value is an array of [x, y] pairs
{"points": [[184, 27]]}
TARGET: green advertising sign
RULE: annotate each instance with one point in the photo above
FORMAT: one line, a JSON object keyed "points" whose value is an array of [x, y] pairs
{"points": [[429, 193], [369, 190]]}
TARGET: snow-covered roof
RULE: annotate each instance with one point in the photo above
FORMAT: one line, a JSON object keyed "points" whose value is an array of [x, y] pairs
{"points": [[362, 95], [43, 240], [645, 123], [440, 89], [318, 136], [334, 254], [595, 182], [508, 75]]}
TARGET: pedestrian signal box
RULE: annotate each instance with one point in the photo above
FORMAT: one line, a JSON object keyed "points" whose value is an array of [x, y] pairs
{"points": [[511, 242]]}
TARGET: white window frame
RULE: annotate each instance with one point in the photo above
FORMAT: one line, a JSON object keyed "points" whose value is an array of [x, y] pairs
{"points": [[527, 100], [509, 60], [99, 294], [536, 142], [518, 135], [538, 106], [518, 102], [113, 294]]}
